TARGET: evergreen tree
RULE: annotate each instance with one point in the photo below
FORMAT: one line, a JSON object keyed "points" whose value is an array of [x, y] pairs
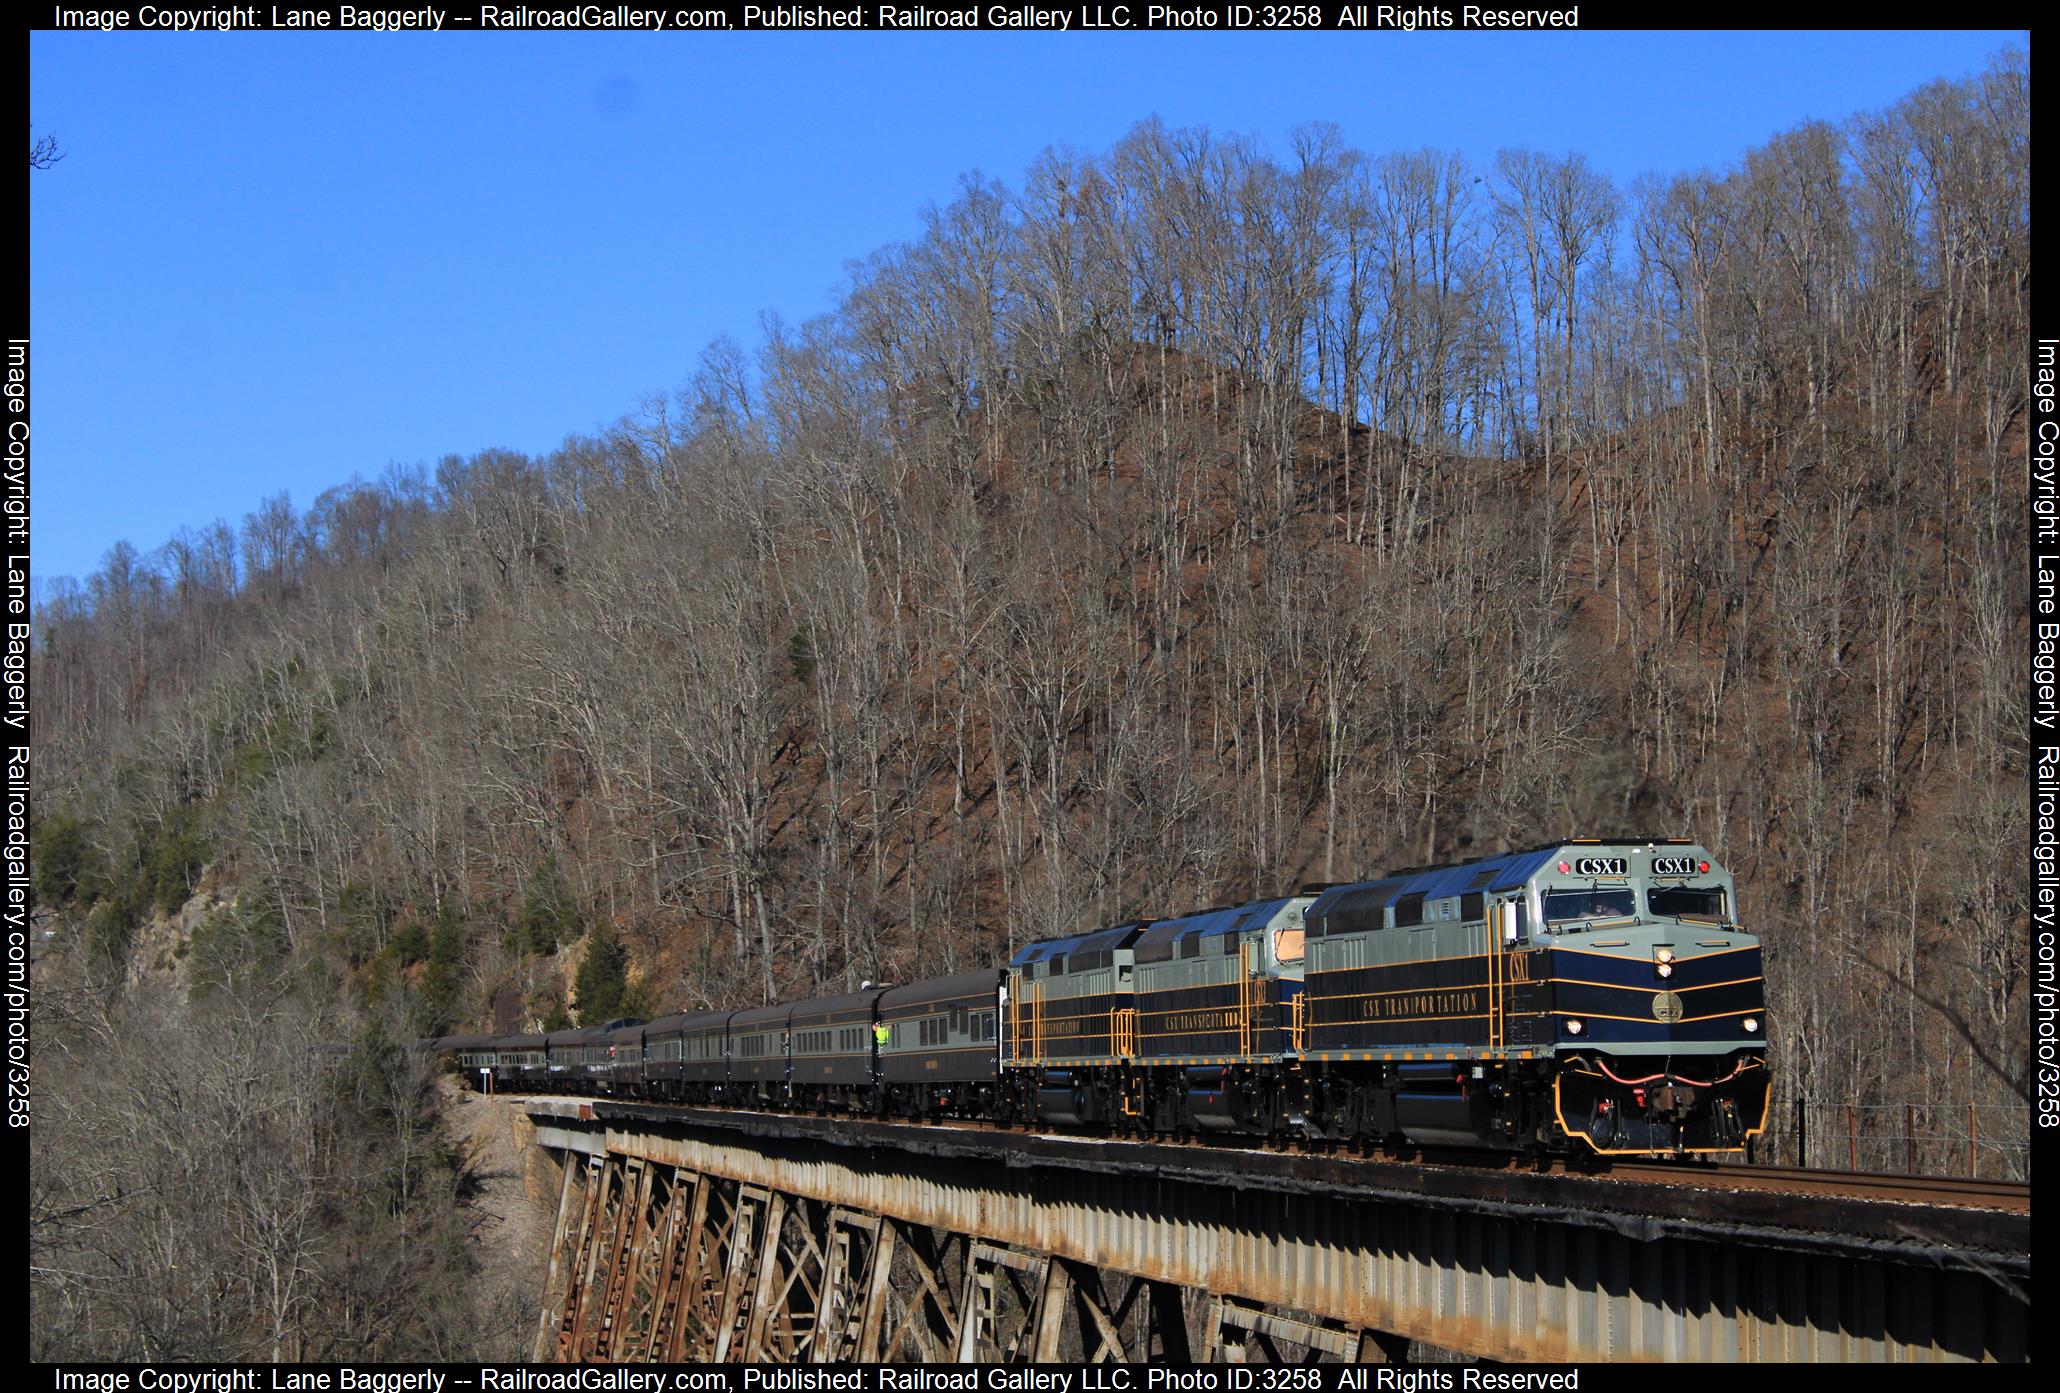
{"points": [[549, 916], [446, 960], [172, 858], [59, 857], [603, 978]]}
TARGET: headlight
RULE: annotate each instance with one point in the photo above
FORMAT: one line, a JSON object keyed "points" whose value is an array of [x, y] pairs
{"points": [[1663, 954], [1666, 969], [1573, 1027], [1752, 1025]]}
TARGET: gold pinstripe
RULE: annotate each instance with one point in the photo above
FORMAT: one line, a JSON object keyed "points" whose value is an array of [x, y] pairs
{"points": [[1626, 987]]}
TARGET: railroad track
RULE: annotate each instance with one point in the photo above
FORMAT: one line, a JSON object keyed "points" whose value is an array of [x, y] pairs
{"points": [[2006, 1196], [2001, 1196]]}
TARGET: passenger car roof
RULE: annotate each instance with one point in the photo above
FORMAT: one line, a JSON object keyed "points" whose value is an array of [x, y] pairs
{"points": [[981, 983], [849, 1001], [687, 1021], [758, 1017]]}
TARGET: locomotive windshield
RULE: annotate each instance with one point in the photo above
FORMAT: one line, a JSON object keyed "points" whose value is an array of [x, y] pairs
{"points": [[1564, 905], [1686, 901]]}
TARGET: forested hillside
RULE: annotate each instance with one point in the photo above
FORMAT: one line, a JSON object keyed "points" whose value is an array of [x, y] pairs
{"points": [[1180, 523]]}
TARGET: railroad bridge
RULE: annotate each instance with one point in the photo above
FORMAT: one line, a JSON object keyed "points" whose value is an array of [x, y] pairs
{"points": [[689, 1234]]}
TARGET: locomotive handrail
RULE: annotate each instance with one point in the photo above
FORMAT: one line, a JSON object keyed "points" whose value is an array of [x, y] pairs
{"points": [[1247, 997], [1125, 1032], [1498, 1023]]}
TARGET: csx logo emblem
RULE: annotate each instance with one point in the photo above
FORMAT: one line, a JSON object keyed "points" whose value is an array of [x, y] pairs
{"points": [[1673, 865], [1600, 865]]}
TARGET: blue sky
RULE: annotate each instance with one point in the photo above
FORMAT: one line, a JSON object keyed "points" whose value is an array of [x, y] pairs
{"points": [[270, 262]]}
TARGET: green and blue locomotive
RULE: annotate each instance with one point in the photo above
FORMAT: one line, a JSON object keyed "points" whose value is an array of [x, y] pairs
{"points": [[1594, 995]]}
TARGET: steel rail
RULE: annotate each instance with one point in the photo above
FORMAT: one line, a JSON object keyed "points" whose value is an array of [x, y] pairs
{"points": [[2008, 1196], [1886, 1187]]}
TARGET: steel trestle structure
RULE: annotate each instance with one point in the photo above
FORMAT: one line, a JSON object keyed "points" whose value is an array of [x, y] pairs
{"points": [[690, 1235]]}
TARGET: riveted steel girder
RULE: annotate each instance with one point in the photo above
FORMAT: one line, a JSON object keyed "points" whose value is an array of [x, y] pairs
{"points": [[1492, 1284], [876, 1251]]}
